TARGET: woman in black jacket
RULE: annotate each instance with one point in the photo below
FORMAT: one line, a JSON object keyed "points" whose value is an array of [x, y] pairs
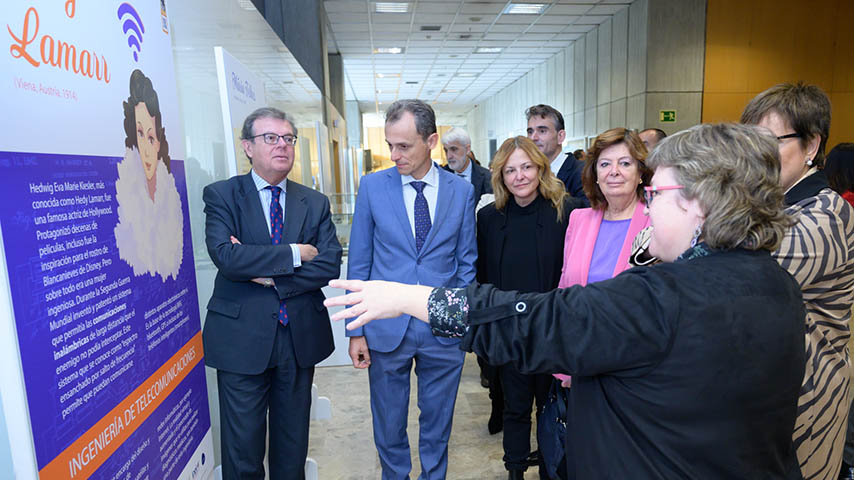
{"points": [[520, 247], [687, 369]]}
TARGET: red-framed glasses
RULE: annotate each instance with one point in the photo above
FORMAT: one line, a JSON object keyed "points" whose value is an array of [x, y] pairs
{"points": [[651, 191]]}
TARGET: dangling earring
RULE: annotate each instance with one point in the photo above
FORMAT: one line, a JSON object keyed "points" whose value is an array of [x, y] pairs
{"points": [[697, 232], [809, 162]]}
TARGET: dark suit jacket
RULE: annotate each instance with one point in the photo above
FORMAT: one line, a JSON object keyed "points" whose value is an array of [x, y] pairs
{"points": [[480, 179], [549, 235], [242, 315], [570, 175]]}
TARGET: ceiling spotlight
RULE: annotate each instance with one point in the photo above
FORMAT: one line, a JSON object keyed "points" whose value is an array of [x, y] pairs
{"points": [[391, 7], [388, 50], [524, 8], [488, 50]]}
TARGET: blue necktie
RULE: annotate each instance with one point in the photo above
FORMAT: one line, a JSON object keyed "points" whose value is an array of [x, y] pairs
{"points": [[422, 215], [276, 228]]}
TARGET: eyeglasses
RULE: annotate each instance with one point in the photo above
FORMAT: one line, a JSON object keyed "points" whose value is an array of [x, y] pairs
{"points": [[788, 135], [273, 139], [652, 191]]}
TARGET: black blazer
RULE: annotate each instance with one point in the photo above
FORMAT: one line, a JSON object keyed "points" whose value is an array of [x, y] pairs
{"points": [[570, 175], [549, 238], [480, 179], [242, 315]]}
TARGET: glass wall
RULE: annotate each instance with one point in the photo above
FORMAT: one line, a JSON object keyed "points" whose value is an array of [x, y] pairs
{"points": [[197, 27]]}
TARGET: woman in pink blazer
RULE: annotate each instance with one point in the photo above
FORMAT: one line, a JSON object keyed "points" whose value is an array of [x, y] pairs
{"points": [[599, 239]]}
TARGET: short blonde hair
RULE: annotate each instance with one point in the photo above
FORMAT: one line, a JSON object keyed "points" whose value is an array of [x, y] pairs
{"points": [[550, 187], [734, 172]]}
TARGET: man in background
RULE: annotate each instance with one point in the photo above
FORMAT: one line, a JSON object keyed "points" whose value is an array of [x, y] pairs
{"points": [[457, 145], [546, 129]]}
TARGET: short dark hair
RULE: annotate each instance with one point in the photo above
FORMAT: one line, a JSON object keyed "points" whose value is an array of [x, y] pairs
{"points": [[247, 131], [142, 91], [659, 133], [614, 136], [544, 111], [805, 107], [425, 118], [839, 168]]}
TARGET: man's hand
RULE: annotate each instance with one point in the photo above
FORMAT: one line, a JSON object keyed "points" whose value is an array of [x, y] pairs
{"points": [[359, 352], [306, 252], [265, 281]]}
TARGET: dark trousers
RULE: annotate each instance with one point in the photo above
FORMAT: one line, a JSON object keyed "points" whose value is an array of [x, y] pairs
{"points": [[284, 391], [520, 392]]}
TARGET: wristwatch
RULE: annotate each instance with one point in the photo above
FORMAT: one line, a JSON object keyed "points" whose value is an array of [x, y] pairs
{"points": [[268, 282]]}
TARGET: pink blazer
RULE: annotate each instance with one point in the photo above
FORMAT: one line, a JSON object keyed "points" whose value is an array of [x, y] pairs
{"points": [[580, 239], [578, 246]]}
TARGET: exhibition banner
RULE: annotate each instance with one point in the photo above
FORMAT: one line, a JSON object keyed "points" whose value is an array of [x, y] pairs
{"points": [[95, 230]]}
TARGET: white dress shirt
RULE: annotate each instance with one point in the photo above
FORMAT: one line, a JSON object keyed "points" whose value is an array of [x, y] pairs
{"points": [[431, 193], [265, 195], [558, 162]]}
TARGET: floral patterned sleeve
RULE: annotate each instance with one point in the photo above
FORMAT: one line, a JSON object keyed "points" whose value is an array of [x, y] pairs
{"points": [[448, 311]]}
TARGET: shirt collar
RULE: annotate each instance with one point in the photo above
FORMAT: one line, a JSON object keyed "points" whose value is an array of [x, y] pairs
{"points": [[467, 172], [557, 162], [431, 178], [261, 184]]}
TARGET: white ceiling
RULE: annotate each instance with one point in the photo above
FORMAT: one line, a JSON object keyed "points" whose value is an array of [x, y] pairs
{"points": [[236, 26], [441, 66]]}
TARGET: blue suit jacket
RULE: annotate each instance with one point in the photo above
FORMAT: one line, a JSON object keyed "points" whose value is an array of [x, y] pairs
{"points": [[382, 246], [242, 315]]}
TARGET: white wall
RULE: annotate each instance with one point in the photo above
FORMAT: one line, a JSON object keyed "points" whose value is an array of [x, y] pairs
{"points": [[647, 57]]}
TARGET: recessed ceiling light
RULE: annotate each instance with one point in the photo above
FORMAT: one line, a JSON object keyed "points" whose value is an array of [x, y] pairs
{"points": [[391, 7], [388, 50], [450, 91], [246, 5], [488, 50], [475, 19], [466, 75], [411, 82], [430, 28], [524, 8], [388, 75]]}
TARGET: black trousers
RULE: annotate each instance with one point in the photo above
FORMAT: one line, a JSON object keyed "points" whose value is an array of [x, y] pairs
{"points": [[284, 391], [520, 393]]}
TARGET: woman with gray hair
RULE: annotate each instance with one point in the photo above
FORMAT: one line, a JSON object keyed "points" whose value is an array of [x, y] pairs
{"points": [[818, 250], [686, 369]]}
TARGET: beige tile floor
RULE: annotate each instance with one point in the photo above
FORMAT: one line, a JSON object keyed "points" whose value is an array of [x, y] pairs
{"points": [[344, 449]]}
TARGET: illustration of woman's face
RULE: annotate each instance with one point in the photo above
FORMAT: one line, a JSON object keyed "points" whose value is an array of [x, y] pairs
{"points": [[146, 139]]}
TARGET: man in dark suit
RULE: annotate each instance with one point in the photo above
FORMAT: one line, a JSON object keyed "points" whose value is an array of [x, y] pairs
{"points": [[457, 145], [275, 247], [546, 129]]}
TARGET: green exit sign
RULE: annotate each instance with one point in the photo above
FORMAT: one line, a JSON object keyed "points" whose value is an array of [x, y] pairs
{"points": [[667, 116]]}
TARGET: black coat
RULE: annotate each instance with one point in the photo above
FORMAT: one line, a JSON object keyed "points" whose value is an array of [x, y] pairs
{"points": [[570, 175], [549, 237], [242, 316], [480, 179], [688, 369]]}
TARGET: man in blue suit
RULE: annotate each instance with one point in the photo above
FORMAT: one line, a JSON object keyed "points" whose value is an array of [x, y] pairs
{"points": [[413, 223], [275, 247]]}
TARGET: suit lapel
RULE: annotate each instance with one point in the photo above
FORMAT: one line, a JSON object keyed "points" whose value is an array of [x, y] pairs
{"points": [[250, 209], [295, 212], [394, 191]]}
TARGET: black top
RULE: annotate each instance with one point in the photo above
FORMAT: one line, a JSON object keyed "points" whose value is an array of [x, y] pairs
{"points": [[688, 369], [518, 262], [546, 239]]}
